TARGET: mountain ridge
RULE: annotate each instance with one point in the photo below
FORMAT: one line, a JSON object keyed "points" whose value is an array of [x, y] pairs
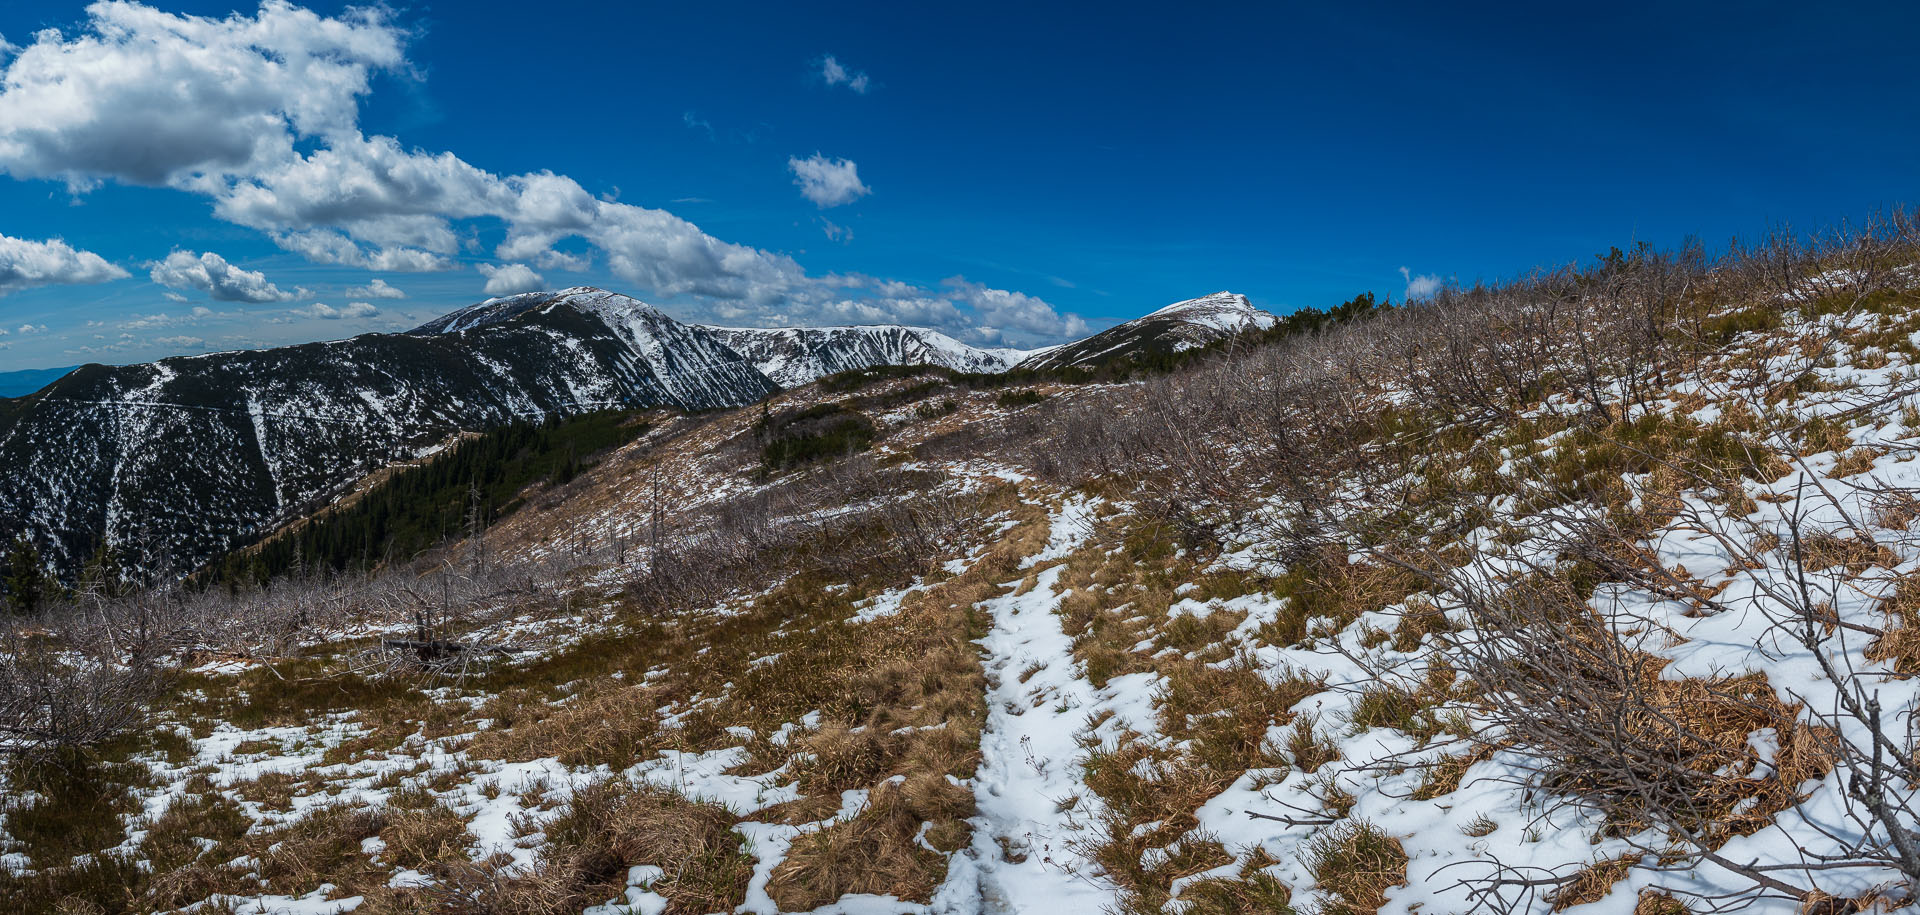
{"points": [[179, 460]]}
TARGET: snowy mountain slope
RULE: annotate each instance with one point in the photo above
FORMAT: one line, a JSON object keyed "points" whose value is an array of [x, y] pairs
{"points": [[1263, 639], [1176, 328], [796, 355], [177, 460]]}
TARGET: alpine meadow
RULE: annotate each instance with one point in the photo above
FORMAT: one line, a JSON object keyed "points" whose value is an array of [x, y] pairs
{"points": [[398, 517]]}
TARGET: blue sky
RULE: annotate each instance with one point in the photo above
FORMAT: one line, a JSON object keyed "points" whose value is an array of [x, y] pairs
{"points": [[1008, 174]]}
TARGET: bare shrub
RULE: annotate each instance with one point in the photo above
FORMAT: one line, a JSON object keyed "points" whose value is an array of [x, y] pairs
{"points": [[54, 697]]}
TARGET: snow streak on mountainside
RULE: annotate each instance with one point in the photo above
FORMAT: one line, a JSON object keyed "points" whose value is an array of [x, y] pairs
{"points": [[796, 355], [1176, 328], [178, 461], [175, 461]]}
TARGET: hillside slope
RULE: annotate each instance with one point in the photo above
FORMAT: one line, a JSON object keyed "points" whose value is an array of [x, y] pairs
{"points": [[793, 356], [1469, 606], [175, 461]]}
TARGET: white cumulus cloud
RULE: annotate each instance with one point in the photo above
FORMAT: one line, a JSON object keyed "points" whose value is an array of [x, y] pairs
{"points": [[378, 289], [1420, 287], [510, 279], [25, 264], [836, 73], [1004, 309], [258, 113], [148, 97], [329, 313], [212, 274], [827, 182]]}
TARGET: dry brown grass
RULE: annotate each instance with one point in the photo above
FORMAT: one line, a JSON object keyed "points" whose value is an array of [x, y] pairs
{"points": [[1356, 863], [611, 826], [1330, 588], [878, 850], [190, 845], [1654, 902], [1593, 882], [1215, 705], [1307, 747], [900, 701], [1444, 775], [1227, 710], [1148, 835], [1899, 644], [1822, 435], [422, 838], [321, 847], [273, 790], [1251, 890], [1820, 551], [1856, 461], [609, 720]]}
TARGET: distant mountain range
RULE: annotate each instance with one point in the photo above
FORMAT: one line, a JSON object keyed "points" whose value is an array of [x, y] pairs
{"points": [[27, 381], [796, 355], [178, 461]]}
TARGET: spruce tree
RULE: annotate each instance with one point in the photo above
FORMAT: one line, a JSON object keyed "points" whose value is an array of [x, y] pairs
{"points": [[27, 583]]}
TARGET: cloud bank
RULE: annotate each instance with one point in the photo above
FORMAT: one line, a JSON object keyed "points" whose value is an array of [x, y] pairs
{"points": [[259, 115], [25, 264], [210, 273]]}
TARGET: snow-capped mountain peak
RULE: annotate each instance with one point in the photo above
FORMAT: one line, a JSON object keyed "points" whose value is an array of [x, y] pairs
{"points": [[586, 299], [1226, 311], [1178, 327]]}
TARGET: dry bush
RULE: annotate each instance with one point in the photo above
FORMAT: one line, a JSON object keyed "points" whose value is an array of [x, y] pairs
{"points": [[1894, 509], [1606, 728], [58, 693]]}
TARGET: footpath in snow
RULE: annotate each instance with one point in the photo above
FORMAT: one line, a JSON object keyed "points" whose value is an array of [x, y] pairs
{"points": [[1033, 806]]}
